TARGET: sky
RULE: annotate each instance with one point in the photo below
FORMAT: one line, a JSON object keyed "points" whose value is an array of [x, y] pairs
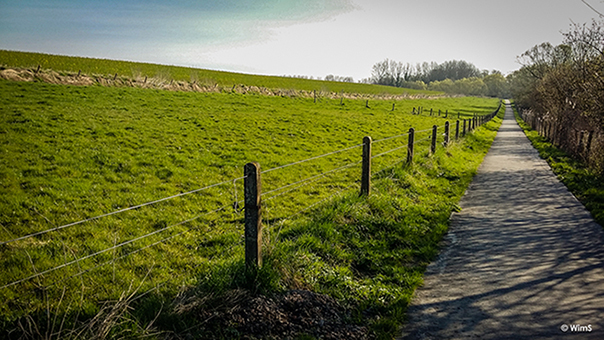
{"points": [[291, 37]]}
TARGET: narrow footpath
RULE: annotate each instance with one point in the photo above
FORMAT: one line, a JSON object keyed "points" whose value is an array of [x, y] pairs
{"points": [[522, 260]]}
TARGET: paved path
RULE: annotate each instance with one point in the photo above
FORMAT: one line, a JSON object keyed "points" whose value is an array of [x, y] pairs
{"points": [[521, 259]]}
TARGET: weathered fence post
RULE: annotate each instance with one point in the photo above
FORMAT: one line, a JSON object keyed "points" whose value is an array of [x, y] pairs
{"points": [[464, 127], [430, 111], [367, 103], [253, 218], [366, 175], [410, 145], [457, 130], [433, 145], [446, 113], [446, 142], [580, 144], [588, 145], [393, 106]]}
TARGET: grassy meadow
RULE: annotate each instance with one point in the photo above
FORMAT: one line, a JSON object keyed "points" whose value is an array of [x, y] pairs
{"points": [[71, 153]]}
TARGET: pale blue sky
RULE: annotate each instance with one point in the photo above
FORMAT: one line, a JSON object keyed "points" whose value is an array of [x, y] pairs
{"points": [[285, 37]]}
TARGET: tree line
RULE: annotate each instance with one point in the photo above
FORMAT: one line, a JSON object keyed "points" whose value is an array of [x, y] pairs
{"points": [[454, 77], [564, 85]]}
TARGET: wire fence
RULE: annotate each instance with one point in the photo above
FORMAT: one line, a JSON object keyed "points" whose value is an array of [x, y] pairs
{"points": [[346, 173], [576, 134]]}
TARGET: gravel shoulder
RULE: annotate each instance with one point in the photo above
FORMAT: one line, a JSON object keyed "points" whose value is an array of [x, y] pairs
{"points": [[520, 260]]}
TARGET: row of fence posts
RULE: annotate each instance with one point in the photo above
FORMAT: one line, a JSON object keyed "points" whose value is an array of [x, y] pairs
{"points": [[252, 183], [548, 130]]}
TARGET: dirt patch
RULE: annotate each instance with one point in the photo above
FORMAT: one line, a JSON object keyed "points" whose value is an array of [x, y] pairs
{"points": [[285, 316]]}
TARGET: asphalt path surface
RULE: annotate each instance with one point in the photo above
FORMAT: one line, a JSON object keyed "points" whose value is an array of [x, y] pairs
{"points": [[522, 260]]}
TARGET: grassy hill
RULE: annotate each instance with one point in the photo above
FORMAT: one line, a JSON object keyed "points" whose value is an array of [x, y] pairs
{"points": [[71, 153], [135, 70]]}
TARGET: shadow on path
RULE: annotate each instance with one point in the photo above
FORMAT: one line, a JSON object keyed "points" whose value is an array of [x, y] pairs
{"points": [[521, 259]]}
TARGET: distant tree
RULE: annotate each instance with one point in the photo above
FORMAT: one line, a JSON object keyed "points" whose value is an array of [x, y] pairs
{"points": [[443, 86], [473, 86], [331, 77], [454, 70], [380, 73], [497, 85]]}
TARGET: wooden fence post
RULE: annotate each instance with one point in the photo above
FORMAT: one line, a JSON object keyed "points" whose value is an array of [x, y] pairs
{"points": [[446, 142], [393, 106], [588, 145], [457, 130], [366, 175], [253, 218], [464, 127], [433, 145], [580, 144], [410, 145]]}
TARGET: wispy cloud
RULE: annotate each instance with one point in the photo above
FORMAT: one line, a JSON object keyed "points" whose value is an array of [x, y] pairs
{"points": [[209, 22]]}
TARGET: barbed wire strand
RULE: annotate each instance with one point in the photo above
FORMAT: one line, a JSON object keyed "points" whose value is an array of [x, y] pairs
{"points": [[115, 212], [288, 191], [313, 205], [313, 158], [110, 248], [422, 140], [312, 177], [389, 151], [389, 138], [238, 243], [420, 131]]}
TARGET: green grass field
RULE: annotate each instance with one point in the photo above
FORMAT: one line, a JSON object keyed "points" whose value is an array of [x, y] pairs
{"points": [[105, 67], [72, 153]]}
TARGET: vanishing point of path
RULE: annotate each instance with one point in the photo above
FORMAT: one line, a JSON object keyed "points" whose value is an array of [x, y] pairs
{"points": [[520, 260]]}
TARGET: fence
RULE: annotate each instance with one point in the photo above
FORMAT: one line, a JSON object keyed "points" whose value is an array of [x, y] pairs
{"points": [[252, 175], [576, 135], [254, 199]]}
